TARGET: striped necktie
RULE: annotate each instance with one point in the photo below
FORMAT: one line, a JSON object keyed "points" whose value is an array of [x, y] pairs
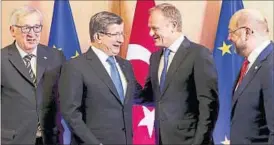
{"points": [[27, 60]]}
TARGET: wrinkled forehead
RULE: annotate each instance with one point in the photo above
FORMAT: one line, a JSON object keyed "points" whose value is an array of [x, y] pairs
{"points": [[29, 19]]}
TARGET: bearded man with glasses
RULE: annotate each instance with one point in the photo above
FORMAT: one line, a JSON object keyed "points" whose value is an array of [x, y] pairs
{"points": [[252, 114], [30, 73]]}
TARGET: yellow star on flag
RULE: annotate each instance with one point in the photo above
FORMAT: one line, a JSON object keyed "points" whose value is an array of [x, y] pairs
{"points": [[225, 49], [57, 48], [76, 54]]}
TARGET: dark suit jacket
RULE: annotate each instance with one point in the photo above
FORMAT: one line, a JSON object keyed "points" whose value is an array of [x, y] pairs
{"points": [[252, 118], [186, 111], [90, 103], [22, 103]]}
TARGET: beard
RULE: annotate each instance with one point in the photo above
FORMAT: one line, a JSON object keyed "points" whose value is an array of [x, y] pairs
{"points": [[240, 46]]}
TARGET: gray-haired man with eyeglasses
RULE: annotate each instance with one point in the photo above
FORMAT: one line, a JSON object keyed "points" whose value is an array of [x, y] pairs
{"points": [[29, 77], [252, 114]]}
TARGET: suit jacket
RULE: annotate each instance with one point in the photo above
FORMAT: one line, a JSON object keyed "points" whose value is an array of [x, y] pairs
{"points": [[252, 117], [90, 103], [186, 110], [23, 103]]}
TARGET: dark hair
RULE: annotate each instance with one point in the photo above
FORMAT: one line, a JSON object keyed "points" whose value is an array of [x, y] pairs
{"points": [[100, 22]]}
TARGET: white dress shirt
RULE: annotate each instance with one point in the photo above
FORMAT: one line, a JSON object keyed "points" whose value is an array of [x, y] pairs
{"points": [[255, 53], [33, 61], [103, 58], [173, 49]]}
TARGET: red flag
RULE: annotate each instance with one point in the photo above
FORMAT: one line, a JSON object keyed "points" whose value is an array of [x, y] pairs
{"points": [[139, 50]]}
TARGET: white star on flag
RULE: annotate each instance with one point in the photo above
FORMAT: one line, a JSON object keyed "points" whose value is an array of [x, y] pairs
{"points": [[148, 120], [226, 141]]}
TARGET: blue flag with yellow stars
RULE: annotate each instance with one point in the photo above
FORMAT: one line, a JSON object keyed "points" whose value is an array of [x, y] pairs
{"points": [[63, 36], [228, 65]]}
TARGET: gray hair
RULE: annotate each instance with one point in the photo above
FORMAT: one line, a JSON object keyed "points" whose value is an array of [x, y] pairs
{"points": [[22, 12], [100, 22], [253, 19], [171, 12]]}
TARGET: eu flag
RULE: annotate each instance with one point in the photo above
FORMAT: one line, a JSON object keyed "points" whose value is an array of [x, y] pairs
{"points": [[63, 36], [228, 65]]}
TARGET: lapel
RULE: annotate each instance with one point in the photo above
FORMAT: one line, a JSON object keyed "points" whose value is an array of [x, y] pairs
{"points": [[235, 82], [101, 72], [252, 72], [42, 58], [179, 56], [17, 61], [155, 67], [126, 71]]}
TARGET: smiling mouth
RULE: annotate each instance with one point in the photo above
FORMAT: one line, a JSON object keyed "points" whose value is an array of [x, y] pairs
{"points": [[116, 45], [31, 39], [156, 38]]}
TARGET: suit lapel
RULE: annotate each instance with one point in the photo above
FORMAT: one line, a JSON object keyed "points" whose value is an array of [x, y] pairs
{"points": [[155, 67], [42, 58], [252, 72], [17, 61], [125, 69], [179, 56], [101, 72]]}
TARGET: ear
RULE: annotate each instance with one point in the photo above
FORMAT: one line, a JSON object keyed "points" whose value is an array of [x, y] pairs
{"points": [[97, 38], [174, 24], [12, 31]]}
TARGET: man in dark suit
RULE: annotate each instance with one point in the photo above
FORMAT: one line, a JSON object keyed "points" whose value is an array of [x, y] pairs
{"points": [[252, 118], [183, 81], [29, 76], [97, 88]]}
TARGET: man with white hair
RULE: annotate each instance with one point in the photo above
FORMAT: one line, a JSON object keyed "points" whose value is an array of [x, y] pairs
{"points": [[252, 118], [29, 78]]}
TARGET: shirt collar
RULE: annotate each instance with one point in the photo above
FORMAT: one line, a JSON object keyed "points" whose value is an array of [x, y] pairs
{"points": [[23, 53], [257, 51], [176, 44], [102, 55]]}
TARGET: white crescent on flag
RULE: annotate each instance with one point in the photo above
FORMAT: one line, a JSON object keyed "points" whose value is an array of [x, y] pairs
{"points": [[138, 52]]}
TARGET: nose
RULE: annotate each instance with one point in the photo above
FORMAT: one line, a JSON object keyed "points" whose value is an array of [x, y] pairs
{"points": [[151, 32], [31, 32], [121, 38]]}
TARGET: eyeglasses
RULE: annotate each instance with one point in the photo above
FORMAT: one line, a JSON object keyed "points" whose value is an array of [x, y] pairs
{"points": [[113, 34], [27, 29], [233, 31]]}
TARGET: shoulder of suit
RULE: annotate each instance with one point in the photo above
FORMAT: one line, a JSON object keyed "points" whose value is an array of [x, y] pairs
{"points": [[49, 49], [5, 50], [199, 47], [119, 58]]}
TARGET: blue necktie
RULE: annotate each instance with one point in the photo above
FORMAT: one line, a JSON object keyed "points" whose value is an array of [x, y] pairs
{"points": [[114, 73], [163, 75]]}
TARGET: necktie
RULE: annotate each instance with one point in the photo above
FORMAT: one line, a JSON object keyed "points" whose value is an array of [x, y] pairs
{"points": [[243, 71], [27, 59], [116, 77], [163, 75]]}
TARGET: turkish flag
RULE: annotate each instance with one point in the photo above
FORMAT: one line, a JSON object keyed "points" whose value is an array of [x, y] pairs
{"points": [[140, 47]]}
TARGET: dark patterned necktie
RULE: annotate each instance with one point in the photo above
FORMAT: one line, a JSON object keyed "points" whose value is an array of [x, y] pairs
{"points": [[27, 59]]}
